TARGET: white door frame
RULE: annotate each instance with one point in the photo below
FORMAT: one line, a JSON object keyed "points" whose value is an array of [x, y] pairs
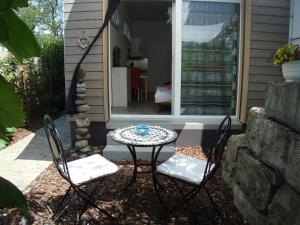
{"points": [[176, 81], [176, 67]]}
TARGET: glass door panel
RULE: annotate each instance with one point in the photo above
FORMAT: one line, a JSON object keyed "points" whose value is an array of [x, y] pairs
{"points": [[210, 54]]}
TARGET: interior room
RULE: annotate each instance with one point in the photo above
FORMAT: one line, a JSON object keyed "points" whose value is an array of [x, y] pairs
{"points": [[141, 58]]}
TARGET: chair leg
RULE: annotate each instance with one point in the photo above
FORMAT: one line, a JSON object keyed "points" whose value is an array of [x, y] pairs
{"points": [[213, 202], [88, 198], [62, 201], [85, 206], [193, 214], [193, 195], [154, 157], [186, 198], [156, 184]]}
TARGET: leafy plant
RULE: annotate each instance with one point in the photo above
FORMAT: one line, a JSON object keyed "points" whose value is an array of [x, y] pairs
{"points": [[286, 53], [2, 144], [39, 82], [11, 29], [18, 39], [11, 113], [8, 67], [11, 196], [52, 75], [44, 17], [9, 132]]}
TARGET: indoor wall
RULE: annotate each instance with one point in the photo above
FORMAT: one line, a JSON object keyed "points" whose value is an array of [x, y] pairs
{"points": [[117, 38], [156, 45]]}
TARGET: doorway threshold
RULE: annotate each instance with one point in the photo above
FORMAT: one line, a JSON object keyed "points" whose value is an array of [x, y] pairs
{"points": [[171, 122]]}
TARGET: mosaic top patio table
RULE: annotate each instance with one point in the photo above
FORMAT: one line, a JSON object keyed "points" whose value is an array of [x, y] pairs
{"points": [[156, 137]]}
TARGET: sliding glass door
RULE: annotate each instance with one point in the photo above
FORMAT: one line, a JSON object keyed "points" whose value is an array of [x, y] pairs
{"points": [[209, 57], [206, 49]]}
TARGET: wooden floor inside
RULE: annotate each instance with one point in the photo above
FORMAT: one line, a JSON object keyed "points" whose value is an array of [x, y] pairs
{"points": [[142, 107]]}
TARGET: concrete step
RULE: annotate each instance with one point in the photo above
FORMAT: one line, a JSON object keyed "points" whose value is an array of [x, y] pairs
{"points": [[121, 152], [110, 141], [192, 123]]}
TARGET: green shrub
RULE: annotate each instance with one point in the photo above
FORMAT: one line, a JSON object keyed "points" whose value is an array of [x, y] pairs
{"points": [[52, 67], [39, 81], [8, 67]]}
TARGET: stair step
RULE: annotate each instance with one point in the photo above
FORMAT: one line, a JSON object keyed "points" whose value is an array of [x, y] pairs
{"points": [[121, 152], [110, 141]]}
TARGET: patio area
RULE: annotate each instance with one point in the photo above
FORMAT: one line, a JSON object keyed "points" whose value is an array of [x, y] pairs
{"points": [[22, 162], [137, 205], [213, 139]]}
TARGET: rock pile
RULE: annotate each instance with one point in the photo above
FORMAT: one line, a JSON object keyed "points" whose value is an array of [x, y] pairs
{"points": [[82, 121], [262, 166]]}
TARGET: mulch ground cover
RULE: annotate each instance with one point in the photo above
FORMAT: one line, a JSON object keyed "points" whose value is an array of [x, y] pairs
{"points": [[137, 205], [19, 134]]}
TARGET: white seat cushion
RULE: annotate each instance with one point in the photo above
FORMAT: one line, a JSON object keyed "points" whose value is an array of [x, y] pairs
{"points": [[184, 168], [90, 168]]}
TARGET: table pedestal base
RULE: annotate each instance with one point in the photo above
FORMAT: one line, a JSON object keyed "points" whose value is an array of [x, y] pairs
{"points": [[136, 164]]}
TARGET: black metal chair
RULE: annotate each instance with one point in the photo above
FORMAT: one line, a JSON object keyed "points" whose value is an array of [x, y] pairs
{"points": [[192, 172], [78, 173]]}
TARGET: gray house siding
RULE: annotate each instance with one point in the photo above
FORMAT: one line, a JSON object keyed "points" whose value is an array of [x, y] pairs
{"points": [[85, 16], [269, 30]]}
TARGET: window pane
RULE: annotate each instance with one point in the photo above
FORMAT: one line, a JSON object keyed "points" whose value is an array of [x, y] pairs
{"points": [[210, 49]]}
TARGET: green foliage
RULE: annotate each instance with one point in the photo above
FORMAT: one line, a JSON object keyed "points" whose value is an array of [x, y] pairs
{"points": [[2, 144], [9, 131], [27, 84], [286, 53], [44, 17], [12, 4], [11, 113], [11, 196], [19, 40], [14, 33], [8, 67], [39, 83], [52, 67], [29, 16]]}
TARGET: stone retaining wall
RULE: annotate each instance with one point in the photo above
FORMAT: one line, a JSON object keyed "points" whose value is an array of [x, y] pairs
{"points": [[262, 166]]}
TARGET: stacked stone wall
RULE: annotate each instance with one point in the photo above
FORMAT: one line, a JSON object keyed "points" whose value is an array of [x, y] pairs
{"points": [[262, 166]]}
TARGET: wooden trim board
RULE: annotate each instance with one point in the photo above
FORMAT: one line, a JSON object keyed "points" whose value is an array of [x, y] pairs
{"points": [[105, 66], [246, 62]]}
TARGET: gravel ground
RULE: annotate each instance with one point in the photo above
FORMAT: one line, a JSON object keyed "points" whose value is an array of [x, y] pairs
{"points": [[135, 206]]}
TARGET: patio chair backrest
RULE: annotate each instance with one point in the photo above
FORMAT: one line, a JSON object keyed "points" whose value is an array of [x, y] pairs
{"points": [[56, 147], [217, 148]]}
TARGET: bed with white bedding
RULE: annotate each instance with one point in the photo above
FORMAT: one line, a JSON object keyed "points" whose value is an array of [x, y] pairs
{"points": [[163, 96]]}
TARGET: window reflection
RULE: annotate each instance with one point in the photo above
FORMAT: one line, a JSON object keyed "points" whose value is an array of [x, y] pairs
{"points": [[210, 40]]}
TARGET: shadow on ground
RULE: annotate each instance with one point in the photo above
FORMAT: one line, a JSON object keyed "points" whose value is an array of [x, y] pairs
{"points": [[142, 208], [37, 148]]}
